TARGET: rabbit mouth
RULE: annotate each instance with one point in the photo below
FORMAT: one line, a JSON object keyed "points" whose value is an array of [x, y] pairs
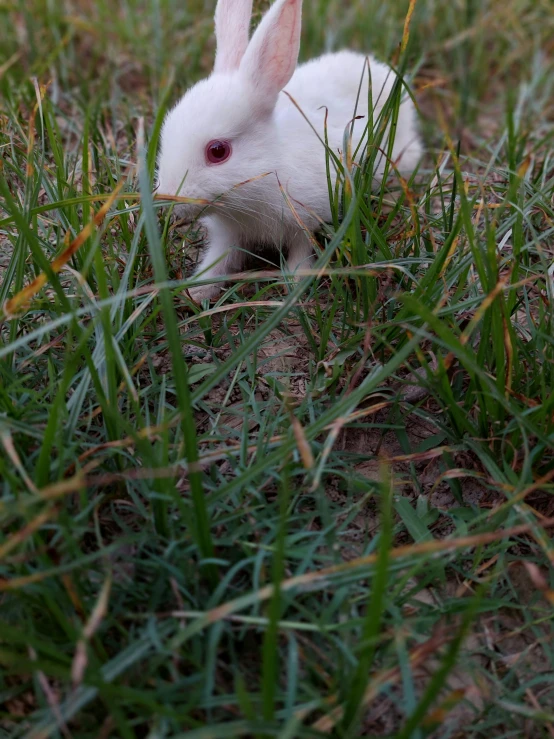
{"points": [[187, 212], [183, 213]]}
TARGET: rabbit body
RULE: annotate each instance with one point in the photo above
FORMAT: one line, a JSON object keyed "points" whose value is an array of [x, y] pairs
{"points": [[272, 188]]}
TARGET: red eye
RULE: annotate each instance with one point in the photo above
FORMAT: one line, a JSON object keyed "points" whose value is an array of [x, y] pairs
{"points": [[218, 151]]}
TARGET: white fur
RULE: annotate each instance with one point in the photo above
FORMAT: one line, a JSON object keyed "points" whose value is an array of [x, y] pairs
{"points": [[276, 156], [232, 25]]}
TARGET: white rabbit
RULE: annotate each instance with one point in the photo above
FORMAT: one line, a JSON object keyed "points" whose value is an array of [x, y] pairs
{"points": [[237, 140]]}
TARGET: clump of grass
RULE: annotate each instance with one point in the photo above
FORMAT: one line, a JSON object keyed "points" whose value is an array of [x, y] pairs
{"points": [[296, 512]]}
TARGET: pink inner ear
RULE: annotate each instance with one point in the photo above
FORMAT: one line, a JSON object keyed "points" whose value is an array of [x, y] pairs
{"points": [[282, 61]]}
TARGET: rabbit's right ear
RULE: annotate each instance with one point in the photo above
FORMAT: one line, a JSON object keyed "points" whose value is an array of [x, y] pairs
{"points": [[232, 26]]}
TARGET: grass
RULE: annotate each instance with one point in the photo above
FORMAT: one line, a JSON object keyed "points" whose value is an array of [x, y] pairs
{"points": [[323, 510]]}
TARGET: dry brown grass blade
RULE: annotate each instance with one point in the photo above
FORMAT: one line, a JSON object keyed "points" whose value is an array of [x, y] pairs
{"points": [[52, 698], [516, 498], [80, 659], [297, 218], [407, 22], [467, 586], [457, 474], [51, 492], [418, 656], [482, 309], [83, 478], [539, 581], [182, 199], [330, 442], [509, 355], [150, 432], [428, 548], [449, 256], [10, 62], [23, 534], [302, 443], [420, 456], [11, 451], [437, 717], [22, 298], [71, 590], [56, 341], [310, 579], [238, 306], [40, 91], [122, 385], [537, 706], [486, 303]]}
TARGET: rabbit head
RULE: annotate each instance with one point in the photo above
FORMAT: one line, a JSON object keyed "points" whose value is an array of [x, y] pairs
{"points": [[222, 134]]}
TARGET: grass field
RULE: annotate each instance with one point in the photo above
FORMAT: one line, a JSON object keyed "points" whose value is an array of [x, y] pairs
{"points": [[319, 509]]}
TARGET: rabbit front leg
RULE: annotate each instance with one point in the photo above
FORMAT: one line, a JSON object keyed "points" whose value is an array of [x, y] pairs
{"points": [[301, 253], [221, 257]]}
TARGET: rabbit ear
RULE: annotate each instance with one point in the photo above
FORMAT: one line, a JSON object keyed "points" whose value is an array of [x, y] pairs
{"points": [[272, 54], [232, 24]]}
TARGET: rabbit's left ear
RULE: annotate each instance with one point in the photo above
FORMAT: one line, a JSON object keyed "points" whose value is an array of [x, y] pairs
{"points": [[271, 56], [232, 26]]}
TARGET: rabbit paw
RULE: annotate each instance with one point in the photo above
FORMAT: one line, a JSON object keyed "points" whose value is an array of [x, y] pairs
{"points": [[204, 292]]}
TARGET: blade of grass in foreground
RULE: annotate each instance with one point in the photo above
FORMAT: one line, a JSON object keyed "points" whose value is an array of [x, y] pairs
{"points": [[375, 607], [201, 530], [270, 668], [437, 682]]}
